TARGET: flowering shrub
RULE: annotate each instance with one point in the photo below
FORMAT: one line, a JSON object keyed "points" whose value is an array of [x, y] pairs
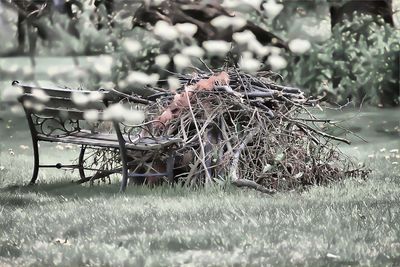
{"points": [[161, 46], [359, 62]]}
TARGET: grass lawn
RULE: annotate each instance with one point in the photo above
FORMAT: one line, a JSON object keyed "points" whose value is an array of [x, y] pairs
{"points": [[353, 222]]}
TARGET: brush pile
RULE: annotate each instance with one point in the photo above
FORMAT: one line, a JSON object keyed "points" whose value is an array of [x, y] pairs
{"points": [[247, 130]]}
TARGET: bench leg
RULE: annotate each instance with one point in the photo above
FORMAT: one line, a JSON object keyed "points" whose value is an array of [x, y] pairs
{"points": [[35, 162], [124, 161], [80, 162], [124, 157]]}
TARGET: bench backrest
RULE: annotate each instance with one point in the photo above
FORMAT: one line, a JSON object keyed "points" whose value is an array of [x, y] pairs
{"points": [[56, 111], [62, 102]]}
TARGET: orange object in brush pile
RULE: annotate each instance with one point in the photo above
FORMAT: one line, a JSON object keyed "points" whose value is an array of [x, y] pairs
{"points": [[181, 100]]}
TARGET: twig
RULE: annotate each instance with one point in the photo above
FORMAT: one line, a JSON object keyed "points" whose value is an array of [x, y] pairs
{"points": [[323, 133], [205, 65], [235, 159], [202, 155], [253, 185], [133, 98]]}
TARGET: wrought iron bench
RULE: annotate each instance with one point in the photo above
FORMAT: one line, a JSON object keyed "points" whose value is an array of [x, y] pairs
{"points": [[54, 116]]}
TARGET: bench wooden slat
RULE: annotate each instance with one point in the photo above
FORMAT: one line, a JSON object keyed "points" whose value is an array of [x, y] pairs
{"points": [[55, 92], [109, 95], [99, 136], [63, 103], [157, 143], [71, 139], [106, 140], [59, 113]]}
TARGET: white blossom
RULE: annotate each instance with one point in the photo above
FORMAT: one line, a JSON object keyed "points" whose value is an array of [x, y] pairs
{"points": [[247, 54], [274, 50], [299, 46], [79, 98], [165, 31], [114, 112], [53, 71], [133, 116], [249, 64], [17, 109], [102, 65], [107, 84], [188, 29], [11, 93], [38, 107], [106, 60], [272, 9], [217, 47], [40, 95], [132, 47], [256, 47], [122, 83], [13, 69], [248, 39], [231, 4], [277, 62], [181, 61], [243, 37], [162, 60], [28, 104], [35, 106], [193, 51], [102, 69], [27, 70], [253, 3], [223, 22], [95, 96], [313, 29], [173, 83], [156, 2], [120, 113], [91, 115], [243, 5], [141, 78]]}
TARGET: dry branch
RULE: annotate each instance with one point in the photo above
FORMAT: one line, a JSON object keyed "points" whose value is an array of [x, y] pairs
{"points": [[268, 139], [248, 130], [252, 185]]}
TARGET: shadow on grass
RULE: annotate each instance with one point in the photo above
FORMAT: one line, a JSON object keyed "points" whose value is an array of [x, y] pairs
{"points": [[17, 195]]}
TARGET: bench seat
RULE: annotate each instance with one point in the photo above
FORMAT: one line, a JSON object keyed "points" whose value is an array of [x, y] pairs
{"points": [[109, 140]]}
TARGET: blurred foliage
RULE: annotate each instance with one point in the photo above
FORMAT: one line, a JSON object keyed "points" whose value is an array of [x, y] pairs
{"points": [[360, 62]]}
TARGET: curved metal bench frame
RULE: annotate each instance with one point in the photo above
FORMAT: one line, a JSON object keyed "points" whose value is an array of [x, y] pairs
{"points": [[60, 109]]}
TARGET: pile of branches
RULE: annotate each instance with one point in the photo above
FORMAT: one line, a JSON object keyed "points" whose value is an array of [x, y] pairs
{"points": [[249, 131]]}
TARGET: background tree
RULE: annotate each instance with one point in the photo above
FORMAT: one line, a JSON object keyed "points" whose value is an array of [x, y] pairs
{"points": [[341, 54]]}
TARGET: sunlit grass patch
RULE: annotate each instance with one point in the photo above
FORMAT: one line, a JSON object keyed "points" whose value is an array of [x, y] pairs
{"points": [[166, 227]]}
